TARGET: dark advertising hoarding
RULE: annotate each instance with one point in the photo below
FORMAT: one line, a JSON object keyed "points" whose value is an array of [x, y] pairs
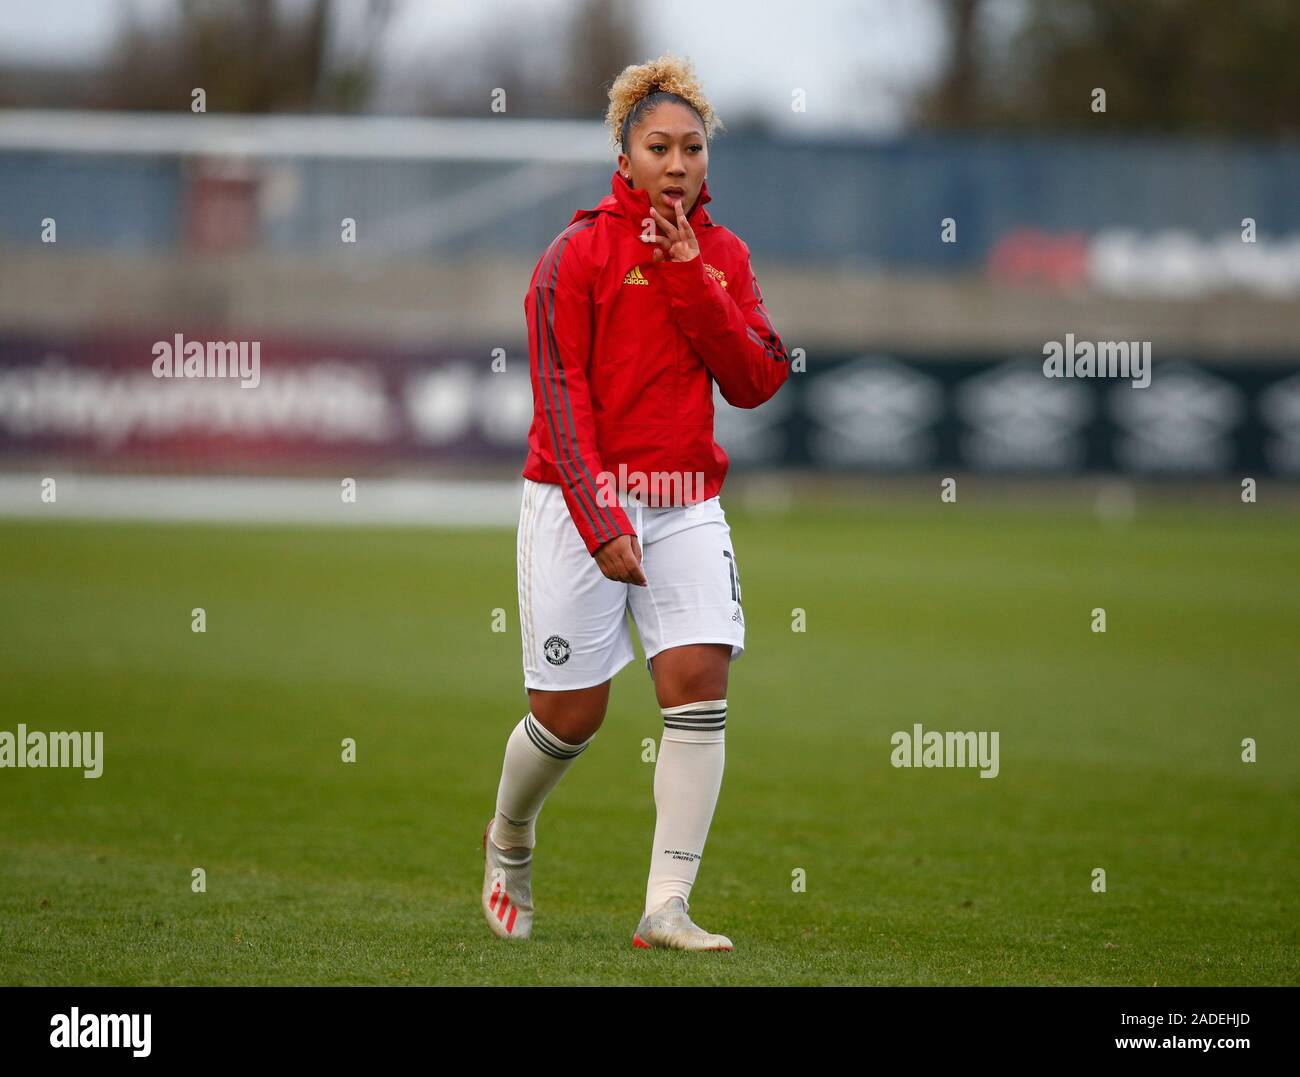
{"points": [[120, 403]]}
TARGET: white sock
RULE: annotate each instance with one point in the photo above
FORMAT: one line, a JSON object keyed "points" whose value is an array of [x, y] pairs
{"points": [[688, 776], [536, 760]]}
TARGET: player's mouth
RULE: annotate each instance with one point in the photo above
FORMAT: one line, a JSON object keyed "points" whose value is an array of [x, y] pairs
{"points": [[674, 194]]}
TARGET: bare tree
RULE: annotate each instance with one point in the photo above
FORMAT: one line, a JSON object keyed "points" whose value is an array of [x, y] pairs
{"points": [[954, 100], [1166, 65], [601, 43], [255, 56]]}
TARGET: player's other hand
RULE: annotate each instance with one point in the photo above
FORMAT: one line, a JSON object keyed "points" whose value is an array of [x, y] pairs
{"points": [[620, 559]]}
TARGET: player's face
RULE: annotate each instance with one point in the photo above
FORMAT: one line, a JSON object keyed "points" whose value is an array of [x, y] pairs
{"points": [[669, 158]]}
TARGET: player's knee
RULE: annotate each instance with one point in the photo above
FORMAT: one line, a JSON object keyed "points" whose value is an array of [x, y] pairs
{"points": [[578, 727], [573, 716], [691, 686], [692, 672]]}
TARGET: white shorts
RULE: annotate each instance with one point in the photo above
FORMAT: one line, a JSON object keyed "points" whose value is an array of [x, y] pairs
{"points": [[573, 619]]}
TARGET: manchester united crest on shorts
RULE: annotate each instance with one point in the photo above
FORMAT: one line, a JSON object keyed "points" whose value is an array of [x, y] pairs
{"points": [[557, 650]]}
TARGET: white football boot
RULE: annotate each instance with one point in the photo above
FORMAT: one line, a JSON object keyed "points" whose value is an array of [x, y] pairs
{"points": [[507, 889], [669, 927]]}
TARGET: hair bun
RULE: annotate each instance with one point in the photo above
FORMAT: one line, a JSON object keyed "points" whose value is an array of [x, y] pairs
{"points": [[669, 74]]}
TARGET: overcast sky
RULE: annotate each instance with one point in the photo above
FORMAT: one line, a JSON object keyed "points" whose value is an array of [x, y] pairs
{"points": [[855, 59]]}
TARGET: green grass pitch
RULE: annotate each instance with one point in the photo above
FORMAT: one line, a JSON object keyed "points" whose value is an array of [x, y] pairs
{"points": [[1119, 751]]}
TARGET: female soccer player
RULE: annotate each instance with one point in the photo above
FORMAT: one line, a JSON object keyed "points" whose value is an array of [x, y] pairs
{"points": [[633, 312]]}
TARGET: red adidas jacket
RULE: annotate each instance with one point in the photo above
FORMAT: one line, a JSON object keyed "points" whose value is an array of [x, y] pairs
{"points": [[624, 352]]}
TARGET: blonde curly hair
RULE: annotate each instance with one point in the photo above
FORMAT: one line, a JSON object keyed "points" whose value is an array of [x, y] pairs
{"points": [[641, 87]]}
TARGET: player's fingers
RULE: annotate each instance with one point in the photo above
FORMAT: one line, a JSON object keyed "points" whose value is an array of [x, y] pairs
{"points": [[664, 223], [638, 577], [629, 570], [611, 563], [684, 224]]}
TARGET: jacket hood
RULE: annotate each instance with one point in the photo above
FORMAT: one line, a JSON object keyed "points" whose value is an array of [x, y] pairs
{"points": [[634, 204]]}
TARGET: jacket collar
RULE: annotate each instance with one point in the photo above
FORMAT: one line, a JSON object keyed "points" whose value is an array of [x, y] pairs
{"points": [[633, 204]]}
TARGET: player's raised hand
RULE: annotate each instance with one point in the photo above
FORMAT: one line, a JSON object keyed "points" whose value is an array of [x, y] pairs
{"points": [[677, 243], [620, 559]]}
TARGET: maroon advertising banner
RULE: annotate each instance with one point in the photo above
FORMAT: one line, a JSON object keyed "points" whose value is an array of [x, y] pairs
{"points": [[193, 402]]}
